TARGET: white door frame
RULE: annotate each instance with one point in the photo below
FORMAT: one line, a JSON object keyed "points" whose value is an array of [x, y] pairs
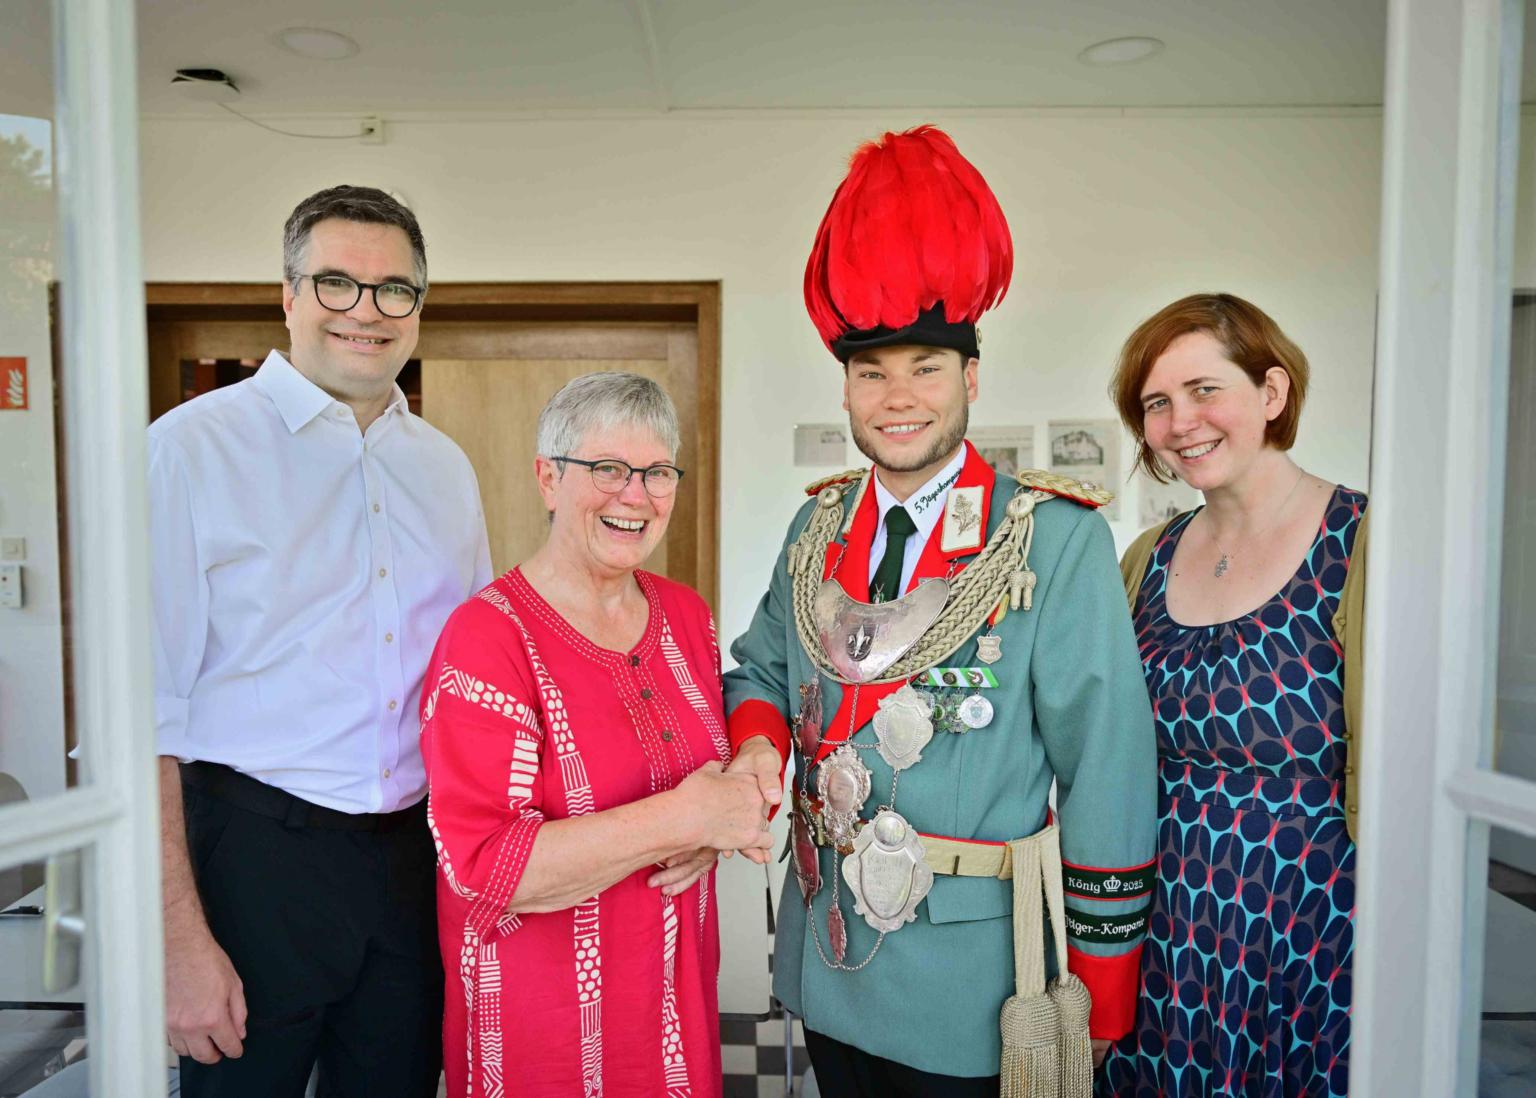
{"points": [[113, 813], [1451, 132]]}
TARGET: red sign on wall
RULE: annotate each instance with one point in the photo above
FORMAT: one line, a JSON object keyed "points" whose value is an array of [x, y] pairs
{"points": [[13, 384]]}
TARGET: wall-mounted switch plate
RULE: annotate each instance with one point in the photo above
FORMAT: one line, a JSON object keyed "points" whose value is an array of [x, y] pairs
{"points": [[10, 587], [13, 548]]}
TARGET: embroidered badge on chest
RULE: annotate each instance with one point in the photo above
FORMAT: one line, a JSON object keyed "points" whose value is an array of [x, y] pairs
{"points": [[962, 520]]}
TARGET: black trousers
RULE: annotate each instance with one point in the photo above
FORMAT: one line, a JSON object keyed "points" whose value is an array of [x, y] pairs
{"points": [[333, 931], [843, 1071]]}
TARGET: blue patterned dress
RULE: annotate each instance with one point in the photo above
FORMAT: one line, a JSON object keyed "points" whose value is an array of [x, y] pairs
{"points": [[1245, 975]]}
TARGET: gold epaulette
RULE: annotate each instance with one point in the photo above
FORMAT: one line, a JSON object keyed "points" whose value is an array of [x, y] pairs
{"points": [[1078, 491], [847, 477]]}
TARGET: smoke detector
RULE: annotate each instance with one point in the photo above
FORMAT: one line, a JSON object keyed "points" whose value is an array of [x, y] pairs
{"points": [[205, 85]]}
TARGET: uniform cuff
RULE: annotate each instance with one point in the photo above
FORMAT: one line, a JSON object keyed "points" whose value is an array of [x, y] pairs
{"points": [[1112, 982], [758, 718]]}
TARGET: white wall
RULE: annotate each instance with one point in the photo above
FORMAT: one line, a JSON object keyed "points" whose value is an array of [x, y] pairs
{"points": [[1113, 217]]}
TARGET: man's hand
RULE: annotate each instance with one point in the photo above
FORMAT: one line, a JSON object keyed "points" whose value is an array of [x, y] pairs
{"points": [[679, 872], [1100, 1050], [758, 757], [204, 1000]]}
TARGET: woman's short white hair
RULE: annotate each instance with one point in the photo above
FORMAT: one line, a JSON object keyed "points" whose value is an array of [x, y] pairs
{"points": [[594, 403]]}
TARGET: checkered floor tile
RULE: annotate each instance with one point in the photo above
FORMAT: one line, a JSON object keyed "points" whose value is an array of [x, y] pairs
{"points": [[752, 1056]]}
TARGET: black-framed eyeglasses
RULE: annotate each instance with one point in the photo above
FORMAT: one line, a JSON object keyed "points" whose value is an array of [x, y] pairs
{"points": [[339, 293], [612, 475]]}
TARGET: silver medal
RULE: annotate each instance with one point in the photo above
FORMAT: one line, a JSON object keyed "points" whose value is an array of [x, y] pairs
{"points": [[862, 640], [989, 648], [975, 712], [903, 727], [887, 872], [842, 783]]}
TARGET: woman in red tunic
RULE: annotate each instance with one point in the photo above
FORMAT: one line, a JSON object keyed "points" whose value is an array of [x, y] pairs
{"points": [[573, 735]]}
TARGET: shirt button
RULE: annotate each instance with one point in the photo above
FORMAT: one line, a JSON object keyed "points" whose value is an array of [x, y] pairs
{"points": [[386, 771], [634, 661], [388, 638], [392, 704], [375, 508], [666, 734], [646, 693], [383, 572]]}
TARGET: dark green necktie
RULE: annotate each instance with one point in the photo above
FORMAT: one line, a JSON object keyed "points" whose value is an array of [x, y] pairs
{"points": [[887, 582]]}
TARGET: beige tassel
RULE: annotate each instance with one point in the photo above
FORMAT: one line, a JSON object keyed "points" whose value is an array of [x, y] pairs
{"points": [[1031, 1023], [1031, 1043], [1076, 1049]]}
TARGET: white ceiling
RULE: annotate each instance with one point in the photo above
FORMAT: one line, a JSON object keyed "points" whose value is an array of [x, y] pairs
{"points": [[455, 56]]}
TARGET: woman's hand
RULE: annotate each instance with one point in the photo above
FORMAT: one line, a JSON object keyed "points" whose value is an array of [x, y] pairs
{"points": [[724, 811], [760, 758], [679, 872]]}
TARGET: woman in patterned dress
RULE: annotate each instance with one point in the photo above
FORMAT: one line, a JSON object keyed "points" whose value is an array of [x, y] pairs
{"points": [[574, 739], [1246, 969]]}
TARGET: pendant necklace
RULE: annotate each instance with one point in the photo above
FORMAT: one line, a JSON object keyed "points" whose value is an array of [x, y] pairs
{"points": [[1222, 565]]}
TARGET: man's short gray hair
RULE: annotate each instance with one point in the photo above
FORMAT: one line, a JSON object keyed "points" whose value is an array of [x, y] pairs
{"points": [[594, 403], [367, 205]]}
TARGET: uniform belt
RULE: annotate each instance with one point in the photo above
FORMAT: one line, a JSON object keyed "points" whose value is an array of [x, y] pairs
{"points": [[244, 791], [945, 856]]}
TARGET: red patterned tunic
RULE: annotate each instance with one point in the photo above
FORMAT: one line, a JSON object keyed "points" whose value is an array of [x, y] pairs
{"points": [[523, 720]]}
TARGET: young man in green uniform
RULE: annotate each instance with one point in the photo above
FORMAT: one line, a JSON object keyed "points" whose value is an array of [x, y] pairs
{"points": [[937, 645]]}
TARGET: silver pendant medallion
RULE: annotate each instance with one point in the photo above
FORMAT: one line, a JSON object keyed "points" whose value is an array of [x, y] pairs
{"points": [[842, 783], [808, 720], [975, 712], [903, 727], [989, 648], [807, 864], [862, 640], [887, 872]]}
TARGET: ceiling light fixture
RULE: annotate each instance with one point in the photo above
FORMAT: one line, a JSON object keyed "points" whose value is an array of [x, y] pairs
{"points": [[205, 85], [1120, 51], [317, 44]]}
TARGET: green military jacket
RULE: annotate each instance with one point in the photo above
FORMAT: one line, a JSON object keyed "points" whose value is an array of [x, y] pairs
{"points": [[1070, 707]]}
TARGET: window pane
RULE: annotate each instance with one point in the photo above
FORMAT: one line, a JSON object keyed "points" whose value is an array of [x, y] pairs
{"points": [[1514, 746], [33, 558], [42, 993], [1507, 1065]]}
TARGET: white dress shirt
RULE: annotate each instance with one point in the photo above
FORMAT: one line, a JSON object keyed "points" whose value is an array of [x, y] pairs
{"points": [[302, 572], [926, 506]]}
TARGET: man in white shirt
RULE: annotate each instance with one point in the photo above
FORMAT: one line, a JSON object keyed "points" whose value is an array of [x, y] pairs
{"points": [[310, 537]]}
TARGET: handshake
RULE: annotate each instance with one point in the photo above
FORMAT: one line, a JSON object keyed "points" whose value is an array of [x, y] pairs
{"points": [[724, 809]]}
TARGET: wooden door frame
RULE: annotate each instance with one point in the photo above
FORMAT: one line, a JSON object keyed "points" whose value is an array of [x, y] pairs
{"points": [[693, 303]]}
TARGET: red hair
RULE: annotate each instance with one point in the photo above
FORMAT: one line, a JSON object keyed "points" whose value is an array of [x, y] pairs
{"points": [[1249, 339]]}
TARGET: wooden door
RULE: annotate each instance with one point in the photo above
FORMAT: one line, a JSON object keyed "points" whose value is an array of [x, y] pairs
{"points": [[490, 407], [488, 359]]}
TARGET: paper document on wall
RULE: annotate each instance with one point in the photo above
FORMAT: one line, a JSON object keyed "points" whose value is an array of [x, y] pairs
{"points": [[1089, 450], [821, 444]]}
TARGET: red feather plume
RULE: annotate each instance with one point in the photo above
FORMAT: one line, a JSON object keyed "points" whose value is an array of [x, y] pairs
{"points": [[914, 223]]}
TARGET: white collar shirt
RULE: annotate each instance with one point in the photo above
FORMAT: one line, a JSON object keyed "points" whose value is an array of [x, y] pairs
{"points": [[926, 506], [302, 570]]}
